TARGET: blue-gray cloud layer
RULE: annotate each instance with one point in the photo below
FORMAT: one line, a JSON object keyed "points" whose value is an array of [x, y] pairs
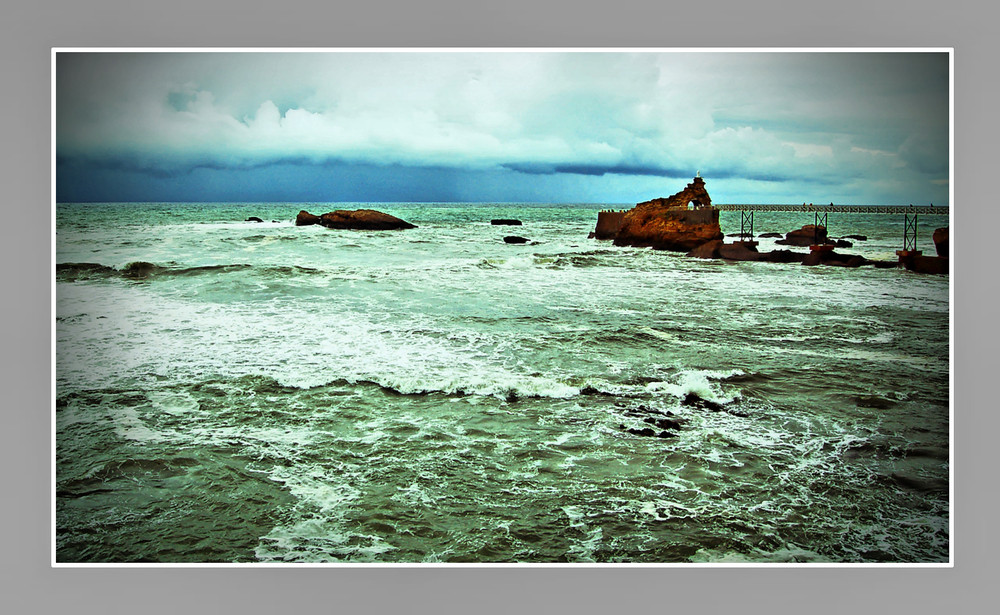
{"points": [[615, 127]]}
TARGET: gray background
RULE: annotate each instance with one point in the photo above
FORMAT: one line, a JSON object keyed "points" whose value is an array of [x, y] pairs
{"points": [[28, 31]]}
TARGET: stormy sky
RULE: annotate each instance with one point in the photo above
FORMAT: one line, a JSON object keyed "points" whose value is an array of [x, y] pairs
{"points": [[504, 126]]}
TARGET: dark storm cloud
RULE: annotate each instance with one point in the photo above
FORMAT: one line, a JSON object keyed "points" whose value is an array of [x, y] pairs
{"points": [[784, 120]]}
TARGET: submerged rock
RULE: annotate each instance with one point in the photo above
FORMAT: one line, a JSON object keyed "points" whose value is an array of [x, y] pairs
{"points": [[696, 401], [253, 219], [515, 239], [505, 222]]}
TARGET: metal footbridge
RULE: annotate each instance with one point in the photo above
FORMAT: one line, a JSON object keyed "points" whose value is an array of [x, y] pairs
{"points": [[843, 209], [820, 216]]}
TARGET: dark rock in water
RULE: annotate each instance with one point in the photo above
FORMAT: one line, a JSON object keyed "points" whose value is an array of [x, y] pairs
{"points": [[646, 431], [692, 399], [926, 264], [140, 269], [363, 220], [857, 237], [941, 241], [840, 243], [663, 423], [769, 235], [739, 252], [253, 219], [884, 264], [589, 390], [808, 235], [515, 239], [666, 434], [709, 249], [305, 218], [812, 259], [505, 222], [783, 256], [829, 257]]}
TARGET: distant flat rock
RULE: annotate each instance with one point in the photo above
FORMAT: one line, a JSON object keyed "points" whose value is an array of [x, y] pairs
{"points": [[359, 219]]}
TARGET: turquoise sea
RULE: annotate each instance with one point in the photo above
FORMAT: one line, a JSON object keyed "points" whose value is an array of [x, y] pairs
{"points": [[241, 392]]}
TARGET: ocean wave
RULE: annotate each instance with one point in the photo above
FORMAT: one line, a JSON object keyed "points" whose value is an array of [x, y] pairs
{"points": [[699, 383], [72, 272]]}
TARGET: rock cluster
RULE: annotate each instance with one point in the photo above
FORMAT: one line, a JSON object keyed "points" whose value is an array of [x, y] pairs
{"points": [[360, 219]]}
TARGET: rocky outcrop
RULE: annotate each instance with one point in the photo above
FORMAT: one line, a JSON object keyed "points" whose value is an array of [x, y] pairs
{"points": [[941, 241], [253, 219], [669, 224], [305, 219]]}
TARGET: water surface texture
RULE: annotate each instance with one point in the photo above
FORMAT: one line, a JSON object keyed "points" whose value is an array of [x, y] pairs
{"points": [[231, 391]]}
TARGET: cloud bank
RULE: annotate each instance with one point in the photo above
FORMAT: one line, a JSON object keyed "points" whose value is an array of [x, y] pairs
{"points": [[861, 127]]}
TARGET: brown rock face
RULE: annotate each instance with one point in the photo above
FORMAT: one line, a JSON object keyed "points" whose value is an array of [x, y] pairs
{"points": [[608, 224], [709, 249], [363, 219], [941, 241], [668, 224], [305, 218]]}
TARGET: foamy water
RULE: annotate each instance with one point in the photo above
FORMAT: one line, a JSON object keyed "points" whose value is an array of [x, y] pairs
{"points": [[272, 393]]}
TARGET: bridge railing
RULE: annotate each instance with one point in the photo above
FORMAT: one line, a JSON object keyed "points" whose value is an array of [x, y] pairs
{"points": [[854, 209]]}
